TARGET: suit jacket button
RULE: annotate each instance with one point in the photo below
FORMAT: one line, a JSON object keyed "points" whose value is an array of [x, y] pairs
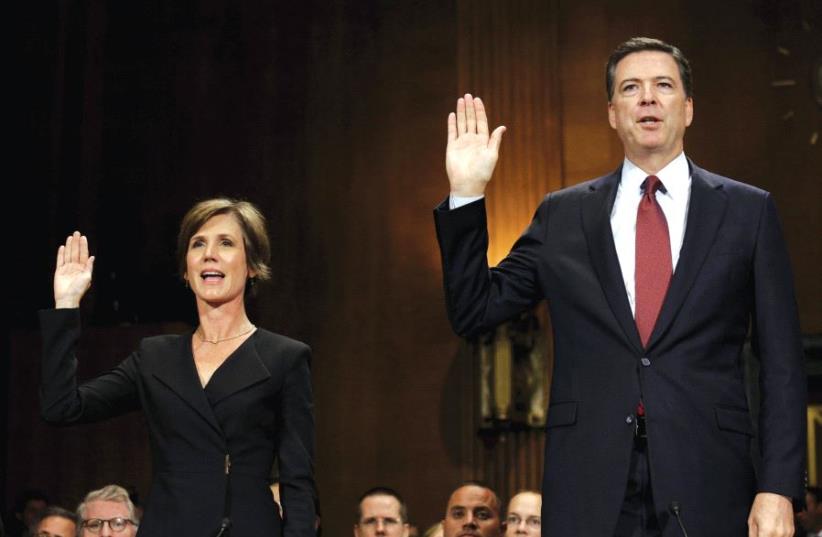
{"points": [[645, 361]]}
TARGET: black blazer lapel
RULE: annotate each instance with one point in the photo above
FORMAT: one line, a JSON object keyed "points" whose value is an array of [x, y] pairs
{"points": [[177, 371], [596, 221], [706, 211], [242, 369]]}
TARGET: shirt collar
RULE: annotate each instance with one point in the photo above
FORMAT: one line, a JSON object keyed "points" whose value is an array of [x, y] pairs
{"points": [[676, 176]]}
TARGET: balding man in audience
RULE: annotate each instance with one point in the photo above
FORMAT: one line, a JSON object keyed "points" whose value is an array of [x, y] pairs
{"points": [[473, 509], [524, 518], [55, 522], [107, 512], [381, 511], [810, 518]]}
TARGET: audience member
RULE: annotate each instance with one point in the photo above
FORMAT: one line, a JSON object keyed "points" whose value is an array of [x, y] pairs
{"points": [[434, 531], [810, 518], [55, 522], [107, 511], [27, 507], [524, 514], [381, 511], [134, 496], [473, 509]]}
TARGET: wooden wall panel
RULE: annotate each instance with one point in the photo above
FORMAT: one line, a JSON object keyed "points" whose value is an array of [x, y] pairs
{"points": [[507, 53], [383, 78]]}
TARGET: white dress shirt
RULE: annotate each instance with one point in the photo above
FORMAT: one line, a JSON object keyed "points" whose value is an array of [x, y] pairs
{"points": [[675, 177]]}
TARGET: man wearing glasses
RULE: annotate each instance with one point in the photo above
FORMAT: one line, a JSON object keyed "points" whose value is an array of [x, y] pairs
{"points": [[524, 514], [107, 511], [381, 511]]}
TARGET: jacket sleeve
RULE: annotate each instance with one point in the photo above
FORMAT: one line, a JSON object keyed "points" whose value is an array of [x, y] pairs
{"points": [[783, 386], [479, 298], [296, 449], [62, 401]]}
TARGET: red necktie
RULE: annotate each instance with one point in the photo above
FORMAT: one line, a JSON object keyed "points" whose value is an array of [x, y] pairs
{"points": [[653, 259]]}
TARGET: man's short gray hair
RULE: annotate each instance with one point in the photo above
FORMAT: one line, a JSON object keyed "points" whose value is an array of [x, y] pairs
{"points": [[109, 493]]}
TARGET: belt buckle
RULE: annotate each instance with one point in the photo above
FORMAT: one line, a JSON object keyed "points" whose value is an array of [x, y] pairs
{"points": [[639, 428]]}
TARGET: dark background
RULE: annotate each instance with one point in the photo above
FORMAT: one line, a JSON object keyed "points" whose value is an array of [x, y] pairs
{"points": [[330, 116]]}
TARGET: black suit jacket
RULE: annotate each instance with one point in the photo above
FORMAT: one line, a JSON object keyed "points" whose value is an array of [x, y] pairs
{"points": [[258, 404], [733, 272]]}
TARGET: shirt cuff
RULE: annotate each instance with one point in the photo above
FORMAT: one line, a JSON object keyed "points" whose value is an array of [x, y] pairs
{"points": [[455, 202]]}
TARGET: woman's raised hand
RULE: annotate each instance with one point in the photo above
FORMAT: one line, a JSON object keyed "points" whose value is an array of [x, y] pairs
{"points": [[72, 273]]}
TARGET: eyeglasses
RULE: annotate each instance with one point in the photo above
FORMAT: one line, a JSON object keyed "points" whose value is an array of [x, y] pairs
{"points": [[533, 522], [388, 522], [117, 524]]}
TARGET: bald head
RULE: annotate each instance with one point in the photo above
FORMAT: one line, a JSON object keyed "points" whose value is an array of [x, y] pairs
{"points": [[473, 509]]}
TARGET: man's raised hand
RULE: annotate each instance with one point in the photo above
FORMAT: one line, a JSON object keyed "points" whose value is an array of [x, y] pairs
{"points": [[72, 273], [471, 154]]}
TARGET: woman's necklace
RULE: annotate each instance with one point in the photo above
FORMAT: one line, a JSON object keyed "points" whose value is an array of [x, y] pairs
{"points": [[220, 340]]}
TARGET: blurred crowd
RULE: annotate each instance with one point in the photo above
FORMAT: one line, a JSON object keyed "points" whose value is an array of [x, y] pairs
{"points": [[473, 508]]}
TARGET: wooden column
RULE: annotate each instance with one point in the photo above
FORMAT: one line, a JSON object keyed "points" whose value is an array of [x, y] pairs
{"points": [[507, 53]]}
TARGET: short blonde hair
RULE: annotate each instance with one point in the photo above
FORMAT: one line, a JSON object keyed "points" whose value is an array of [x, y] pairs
{"points": [[436, 529], [251, 221], [109, 493]]}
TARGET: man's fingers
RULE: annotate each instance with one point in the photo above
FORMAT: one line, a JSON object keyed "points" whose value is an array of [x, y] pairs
{"points": [[496, 138], [69, 246], [482, 119], [452, 127], [83, 249], [90, 265], [460, 116], [61, 251], [752, 529], [470, 114], [75, 246]]}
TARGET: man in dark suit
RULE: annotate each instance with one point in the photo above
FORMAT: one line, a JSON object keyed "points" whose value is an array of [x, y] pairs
{"points": [[653, 275]]}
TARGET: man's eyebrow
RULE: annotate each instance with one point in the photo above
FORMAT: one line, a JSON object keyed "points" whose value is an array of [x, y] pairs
{"points": [[636, 79]]}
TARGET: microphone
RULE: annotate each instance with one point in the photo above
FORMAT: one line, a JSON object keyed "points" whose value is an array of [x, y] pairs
{"points": [[676, 509], [226, 523]]}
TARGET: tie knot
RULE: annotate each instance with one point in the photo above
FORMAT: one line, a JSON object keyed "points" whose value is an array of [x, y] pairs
{"points": [[652, 184]]}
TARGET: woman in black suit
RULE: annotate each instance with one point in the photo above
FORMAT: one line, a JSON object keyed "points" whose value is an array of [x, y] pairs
{"points": [[220, 401]]}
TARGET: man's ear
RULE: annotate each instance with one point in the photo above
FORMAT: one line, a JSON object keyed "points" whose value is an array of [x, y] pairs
{"points": [[689, 111], [611, 115]]}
